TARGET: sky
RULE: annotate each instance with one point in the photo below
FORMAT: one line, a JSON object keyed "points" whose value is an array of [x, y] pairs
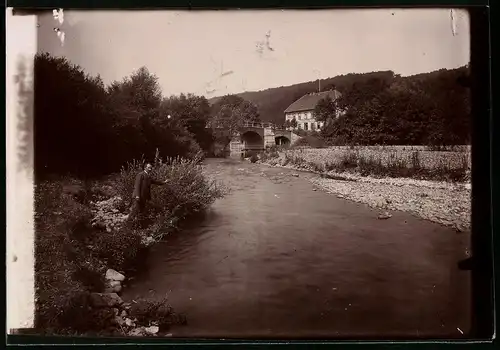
{"points": [[213, 53]]}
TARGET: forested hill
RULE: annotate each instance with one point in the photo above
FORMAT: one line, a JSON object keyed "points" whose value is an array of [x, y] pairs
{"points": [[272, 102]]}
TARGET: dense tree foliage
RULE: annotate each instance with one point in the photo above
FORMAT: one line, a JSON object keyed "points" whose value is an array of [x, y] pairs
{"points": [[427, 109], [85, 128], [192, 113], [231, 112], [324, 109]]}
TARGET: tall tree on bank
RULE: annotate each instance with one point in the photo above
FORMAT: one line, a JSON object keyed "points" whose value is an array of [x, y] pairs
{"points": [[72, 123], [230, 113], [139, 100], [191, 112], [135, 103]]}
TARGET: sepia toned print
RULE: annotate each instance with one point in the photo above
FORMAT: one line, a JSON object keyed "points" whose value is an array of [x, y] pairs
{"points": [[199, 175]]}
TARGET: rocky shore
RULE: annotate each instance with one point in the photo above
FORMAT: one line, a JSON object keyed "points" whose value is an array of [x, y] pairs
{"points": [[138, 318], [109, 216]]}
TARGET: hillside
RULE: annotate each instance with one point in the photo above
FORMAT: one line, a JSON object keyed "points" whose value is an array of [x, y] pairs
{"points": [[272, 102]]}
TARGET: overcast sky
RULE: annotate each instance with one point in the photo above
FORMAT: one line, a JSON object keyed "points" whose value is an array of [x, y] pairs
{"points": [[188, 50]]}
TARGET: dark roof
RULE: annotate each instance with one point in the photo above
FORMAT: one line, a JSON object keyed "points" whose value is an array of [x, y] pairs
{"points": [[308, 102]]}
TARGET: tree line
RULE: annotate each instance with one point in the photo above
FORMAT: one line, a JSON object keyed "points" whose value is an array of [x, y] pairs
{"points": [[426, 109], [86, 128]]}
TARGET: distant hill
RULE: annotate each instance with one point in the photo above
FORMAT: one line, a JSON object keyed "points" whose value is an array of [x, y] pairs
{"points": [[273, 102]]}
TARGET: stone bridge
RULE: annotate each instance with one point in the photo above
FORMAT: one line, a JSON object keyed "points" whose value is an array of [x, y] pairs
{"points": [[259, 136]]}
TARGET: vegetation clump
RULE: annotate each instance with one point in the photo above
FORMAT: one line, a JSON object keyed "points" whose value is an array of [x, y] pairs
{"points": [[86, 132]]}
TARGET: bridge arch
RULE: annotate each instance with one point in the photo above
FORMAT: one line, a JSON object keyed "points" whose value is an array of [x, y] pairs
{"points": [[252, 140], [282, 140]]}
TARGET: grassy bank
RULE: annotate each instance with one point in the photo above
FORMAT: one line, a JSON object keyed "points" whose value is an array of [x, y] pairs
{"points": [[82, 232], [378, 162]]}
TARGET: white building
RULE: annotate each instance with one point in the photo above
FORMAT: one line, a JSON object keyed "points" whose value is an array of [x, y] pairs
{"points": [[303, 109]]}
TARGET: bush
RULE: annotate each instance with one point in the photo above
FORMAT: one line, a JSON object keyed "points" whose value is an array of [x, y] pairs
{"points": [[254, 158], [349, 160], [57, 254], [125, 181], [118, 249], [382, 162], [188, 191], [310, 141], [273, 151], [158, 311]]}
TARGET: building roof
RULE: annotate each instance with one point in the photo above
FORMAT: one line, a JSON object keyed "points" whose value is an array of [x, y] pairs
{"points": [[308, 102]]}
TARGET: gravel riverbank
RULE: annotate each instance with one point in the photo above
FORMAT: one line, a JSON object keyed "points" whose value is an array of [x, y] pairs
{"points": [[445, 203]]}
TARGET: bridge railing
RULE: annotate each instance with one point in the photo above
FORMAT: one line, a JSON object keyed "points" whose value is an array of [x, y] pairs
{"points": [[262, 125], [256, 125]]}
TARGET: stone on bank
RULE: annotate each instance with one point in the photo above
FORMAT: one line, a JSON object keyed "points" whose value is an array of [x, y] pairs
{"points": [[105, 299], [113, 275], [114, 281]]}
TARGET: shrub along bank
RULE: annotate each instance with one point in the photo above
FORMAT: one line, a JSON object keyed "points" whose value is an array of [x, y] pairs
{"points": [[424, 165], [85, 247]]}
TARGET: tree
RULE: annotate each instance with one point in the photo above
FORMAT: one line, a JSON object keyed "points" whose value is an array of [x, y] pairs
{"points": [[247, 111], [140, 93], [231, 112], [87, 129], [361, 92], [431, 108], [326, 109], [72, 123], [191, 112], [135, 102]]}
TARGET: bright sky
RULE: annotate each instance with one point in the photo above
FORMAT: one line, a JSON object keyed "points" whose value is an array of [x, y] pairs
{"points": [[188, 50]]}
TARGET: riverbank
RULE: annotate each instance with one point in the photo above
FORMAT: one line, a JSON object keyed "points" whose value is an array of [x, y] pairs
{"points": [[86, 251], [444, 202]]}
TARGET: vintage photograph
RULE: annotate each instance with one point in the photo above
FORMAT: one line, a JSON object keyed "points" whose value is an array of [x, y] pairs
{"points": [[244, 174]]}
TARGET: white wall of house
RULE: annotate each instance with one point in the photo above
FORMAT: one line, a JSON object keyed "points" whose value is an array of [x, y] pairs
{"points": [[305, 120]]}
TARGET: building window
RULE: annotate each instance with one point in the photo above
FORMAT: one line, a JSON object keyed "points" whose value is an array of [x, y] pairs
{"points": [[306, 126]]}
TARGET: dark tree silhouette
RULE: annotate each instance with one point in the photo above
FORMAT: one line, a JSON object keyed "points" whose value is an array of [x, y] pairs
{"points": [[87, 129]]}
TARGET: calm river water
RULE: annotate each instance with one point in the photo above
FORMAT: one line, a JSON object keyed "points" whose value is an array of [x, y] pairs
{"points": [[277, 259]]}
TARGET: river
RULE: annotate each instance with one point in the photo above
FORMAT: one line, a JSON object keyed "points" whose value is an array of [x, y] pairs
{"points": [[277, 259]]}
